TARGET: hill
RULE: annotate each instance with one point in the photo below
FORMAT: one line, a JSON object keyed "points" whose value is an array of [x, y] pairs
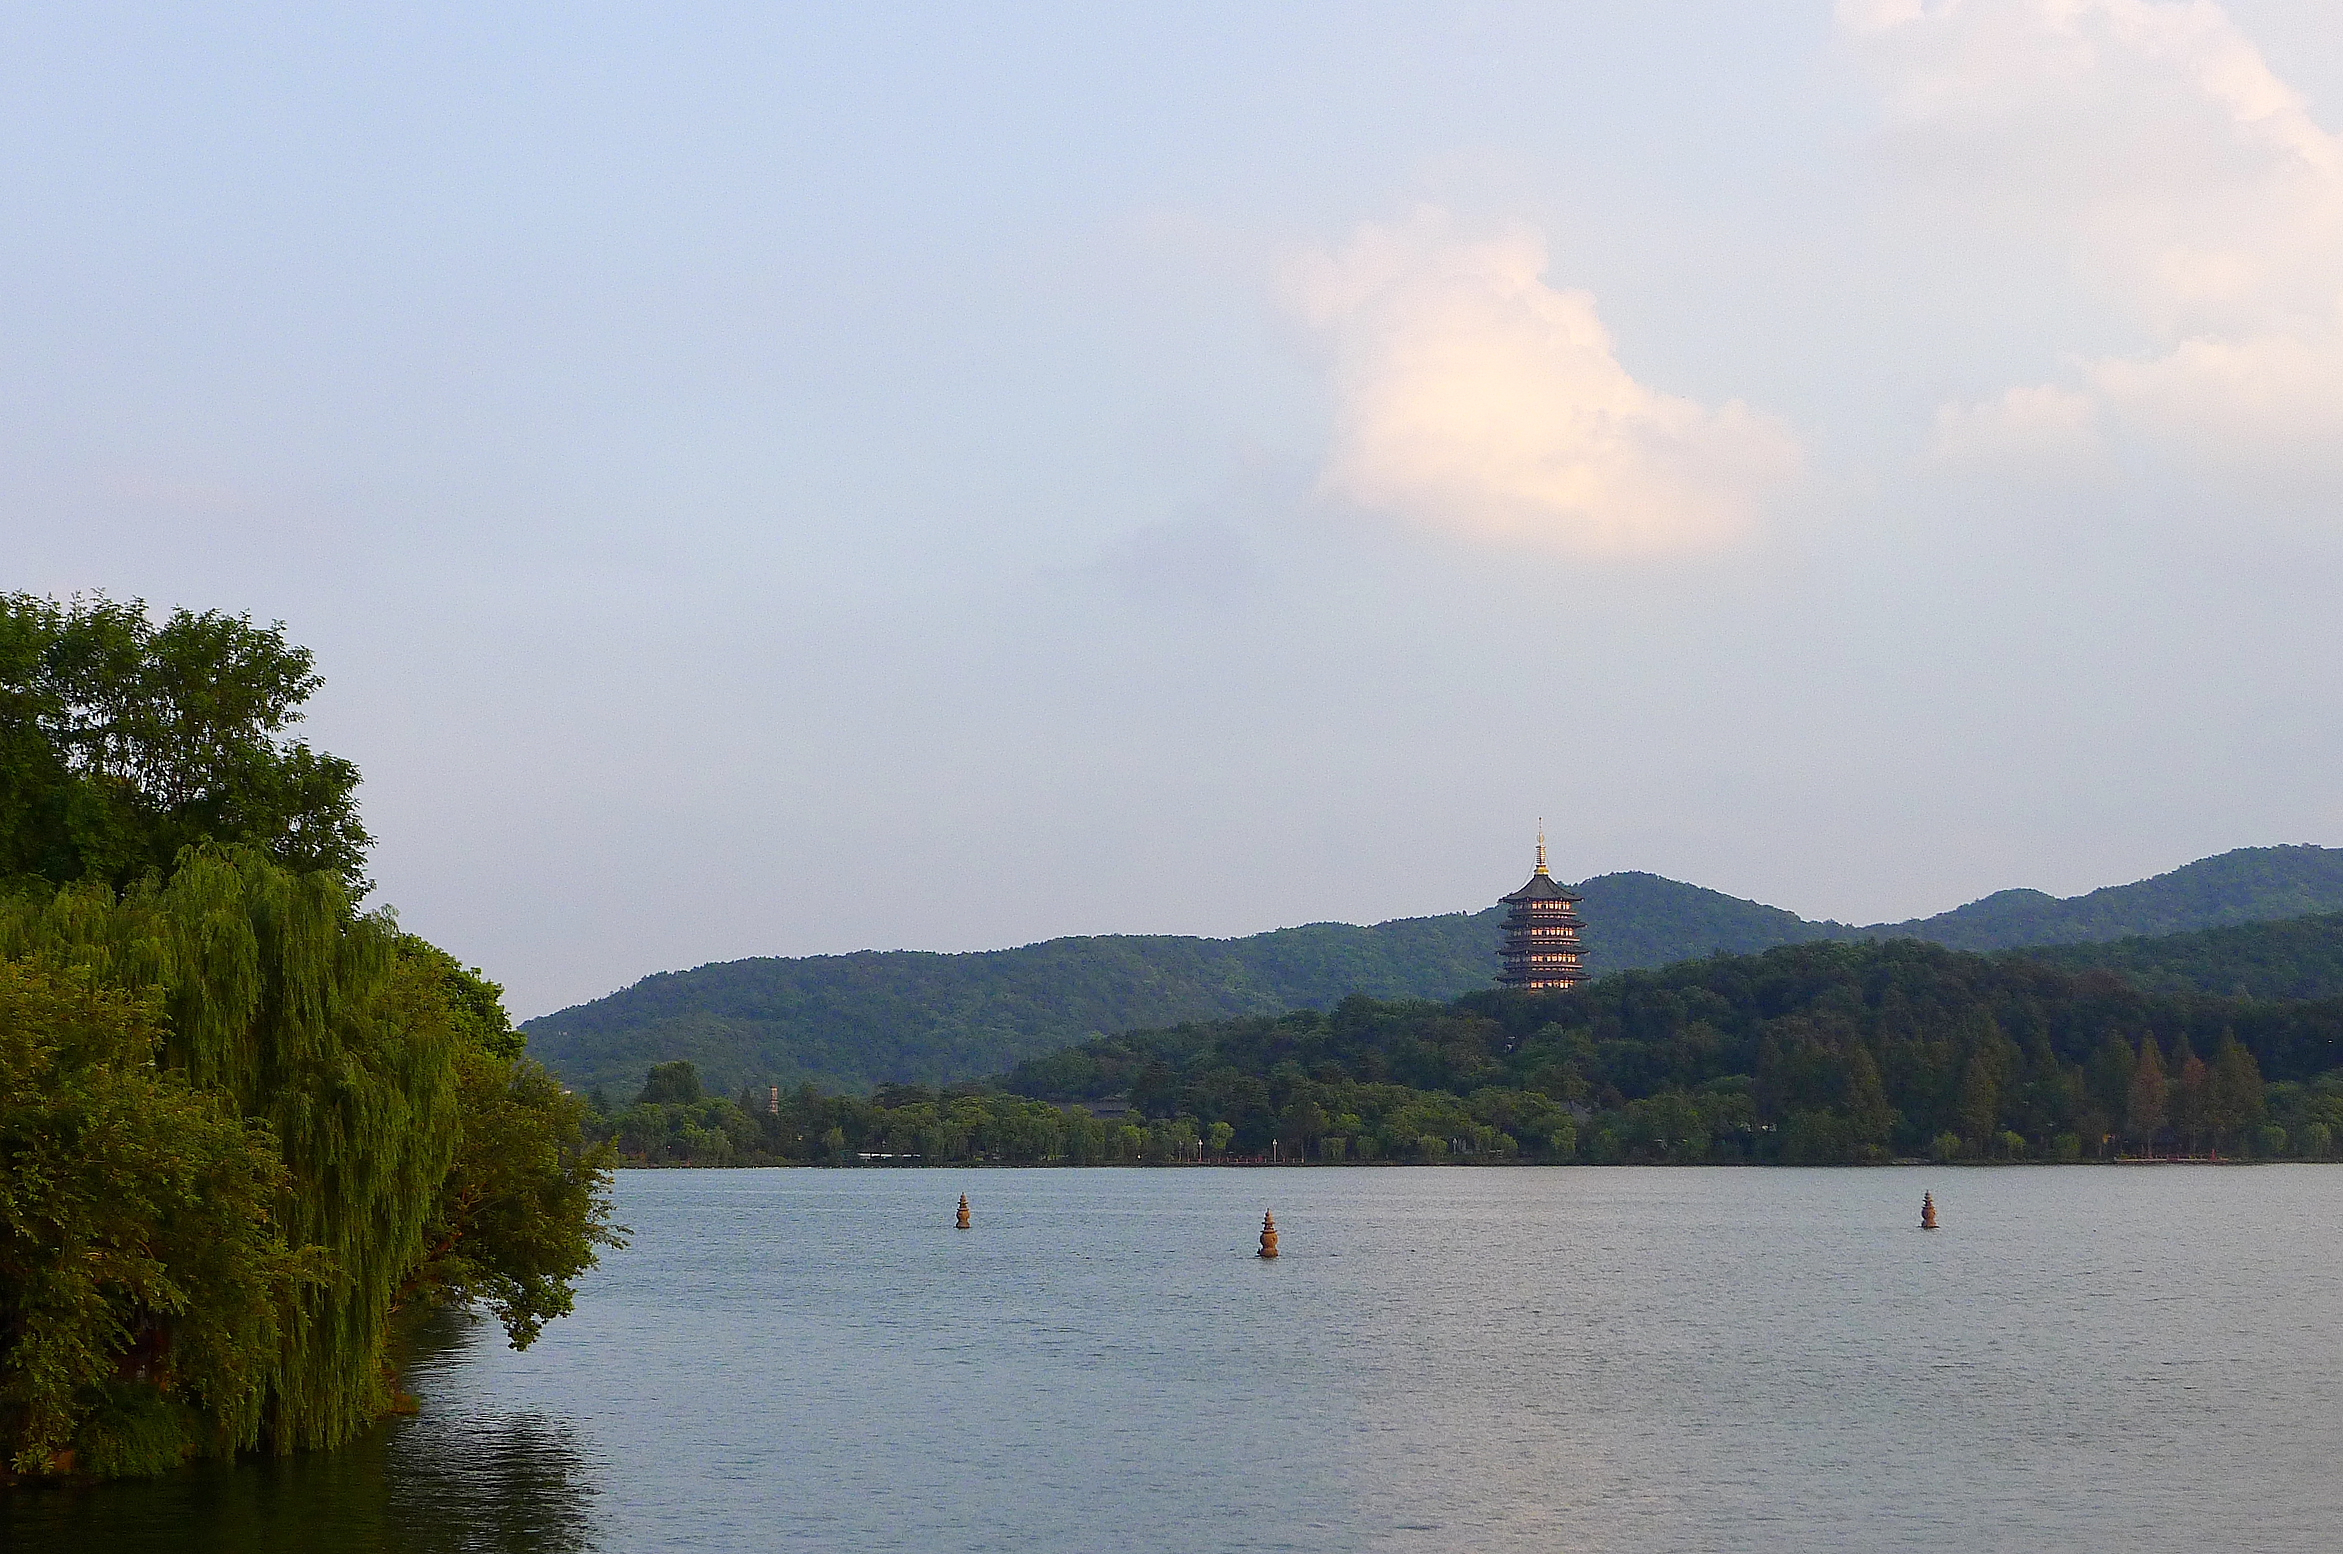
{"points": [[2299, 957], [907, 1016], [2251, 884], [854, 1021]]}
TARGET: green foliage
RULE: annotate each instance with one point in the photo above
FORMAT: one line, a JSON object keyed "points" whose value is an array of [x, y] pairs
{"points": [[133, 1429], [143, 1282], [122, 742], [2248, 885], [407, 1157], [1825, 1053], [671, 1084], [525, 1206], [2144, 1107], [2299, 957], [2235, 1101], [858, 1021], [1814, 1053], [475, 1005], [302, 1016], [903, 1125], [242, 1127]]}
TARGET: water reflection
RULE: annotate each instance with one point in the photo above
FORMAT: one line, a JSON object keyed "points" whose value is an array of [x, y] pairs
{"points": [[462, 1477]]}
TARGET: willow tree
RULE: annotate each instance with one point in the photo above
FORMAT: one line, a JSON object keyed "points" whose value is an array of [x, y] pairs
{"points": [[274, 994]]}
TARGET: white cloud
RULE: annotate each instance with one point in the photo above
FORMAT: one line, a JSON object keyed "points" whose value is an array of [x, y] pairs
{"points": [[2036, 426], [1474, 398], [2265, 399], [2150, 144]]}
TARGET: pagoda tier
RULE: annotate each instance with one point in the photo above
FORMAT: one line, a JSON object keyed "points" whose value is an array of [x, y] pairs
{"points": [[1543, 950]]}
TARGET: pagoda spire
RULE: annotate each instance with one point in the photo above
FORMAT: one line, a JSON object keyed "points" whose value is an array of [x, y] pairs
{"points": [[1541, 844]]}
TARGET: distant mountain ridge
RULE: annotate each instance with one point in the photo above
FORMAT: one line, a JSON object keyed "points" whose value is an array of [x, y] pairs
{"points": [[2249, 885], [853, 1021], [2292, 958]]}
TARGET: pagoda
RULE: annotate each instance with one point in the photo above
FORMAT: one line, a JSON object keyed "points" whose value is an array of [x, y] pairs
{"points": [[1542, 950]]}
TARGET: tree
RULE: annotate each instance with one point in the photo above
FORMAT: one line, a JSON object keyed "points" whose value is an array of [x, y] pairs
{"points": [[671, 1084], [2234, 1098], [1302, 1124], [2108, 1078], [525, 1206], [2190, 1097], [1980, 1099], [2144, 1106], [219, 1168], [277, 997], [122, 742], [475, 1005], [1873, 1119], [142, 1277]]}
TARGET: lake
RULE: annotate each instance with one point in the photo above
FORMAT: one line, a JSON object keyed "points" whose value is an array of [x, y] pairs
{"points": [[1594, 1360]]}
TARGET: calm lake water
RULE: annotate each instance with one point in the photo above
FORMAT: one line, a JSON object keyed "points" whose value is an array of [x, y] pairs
{"points": [[1590, 1360]]}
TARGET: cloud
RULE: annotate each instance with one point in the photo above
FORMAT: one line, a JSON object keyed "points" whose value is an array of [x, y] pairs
{"points": [[2264, 399], [2041, 425], [1474, 399], [2152, 144]]}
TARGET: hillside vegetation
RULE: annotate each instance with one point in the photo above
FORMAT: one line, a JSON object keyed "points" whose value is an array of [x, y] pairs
{"points": [[1818, 1053], [2300, 957], [2249, 885], [910, 1017], [852, 1022], [1824, 1053]]}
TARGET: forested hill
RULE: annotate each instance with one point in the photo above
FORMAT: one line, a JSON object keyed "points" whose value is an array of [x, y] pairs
{"points": [[907, 1016], [2251, 884], [1813, 1053], [853, 1021], [2300, 957]]}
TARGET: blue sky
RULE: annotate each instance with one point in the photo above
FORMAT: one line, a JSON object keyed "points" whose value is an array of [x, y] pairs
{"points": [[774, 480]]}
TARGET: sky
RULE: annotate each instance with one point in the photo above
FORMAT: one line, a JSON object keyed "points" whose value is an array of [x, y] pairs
{"points": [[786, 479]]}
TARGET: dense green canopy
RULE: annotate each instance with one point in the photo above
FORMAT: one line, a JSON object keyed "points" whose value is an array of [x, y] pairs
{"points": [[122, 741], [244, 1128], [1817, 1054], [137, 1238], [283, 1005]]}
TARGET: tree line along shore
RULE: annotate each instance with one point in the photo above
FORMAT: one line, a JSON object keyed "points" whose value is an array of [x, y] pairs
{"points": [[1814, 1054]]}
